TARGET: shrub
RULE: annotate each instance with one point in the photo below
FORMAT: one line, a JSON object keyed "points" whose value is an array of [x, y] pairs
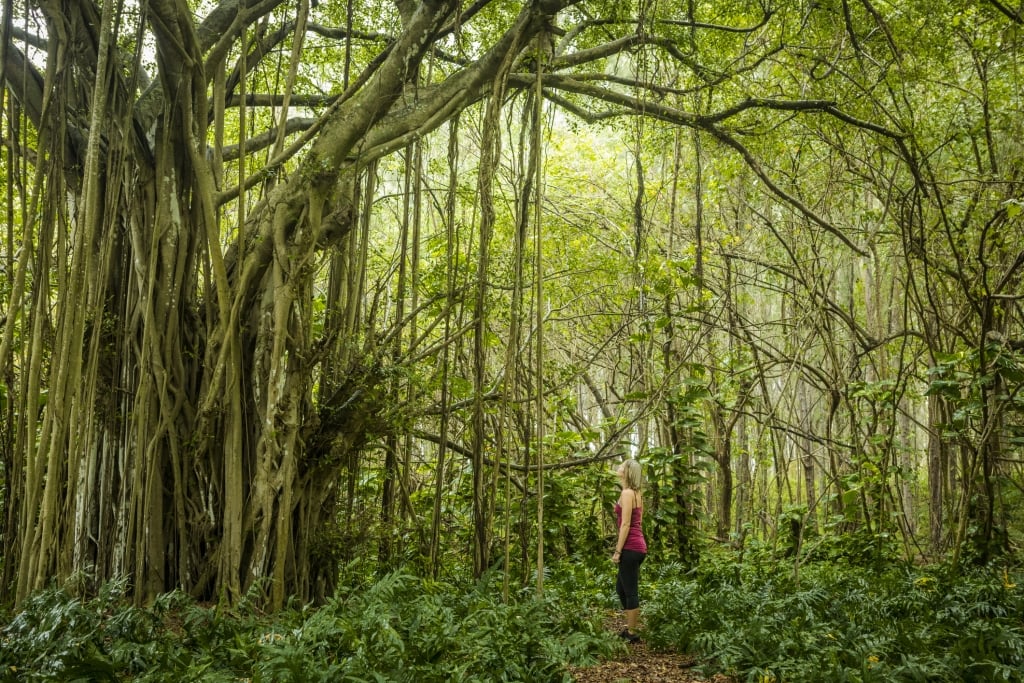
{"points": [[843, 623], [400, 628]]}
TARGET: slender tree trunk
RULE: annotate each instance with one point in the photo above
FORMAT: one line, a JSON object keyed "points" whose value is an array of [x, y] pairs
{"points": [[744, 481], [807, 460], [938, 473], [490, 156], [537, 163]]}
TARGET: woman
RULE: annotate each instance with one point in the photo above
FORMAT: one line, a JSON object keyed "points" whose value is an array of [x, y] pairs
{"points": [[630, 546]]}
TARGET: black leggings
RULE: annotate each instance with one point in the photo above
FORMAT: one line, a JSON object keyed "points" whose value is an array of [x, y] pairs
{"points": [[628, 583]]}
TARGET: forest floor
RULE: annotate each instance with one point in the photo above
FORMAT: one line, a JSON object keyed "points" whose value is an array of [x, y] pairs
{"points": [[641, 664]]}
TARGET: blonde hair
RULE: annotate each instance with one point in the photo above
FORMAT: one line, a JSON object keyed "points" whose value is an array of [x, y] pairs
{"points": [[632, 474]]}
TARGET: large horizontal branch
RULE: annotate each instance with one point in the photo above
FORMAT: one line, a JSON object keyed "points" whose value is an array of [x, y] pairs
{"points": [[755, 165], [229, 18], [664, 112], [581, 27], [271, 100], [271, 41], [604, 454], [30, 39], [226, 24], [338, 132], [25, 82], [267, 138], [631, 105], [309, 133], [214, 36], [430, 106], [626, 43], [1013, 15], [341, 34], [266, 45], [709, 79]]}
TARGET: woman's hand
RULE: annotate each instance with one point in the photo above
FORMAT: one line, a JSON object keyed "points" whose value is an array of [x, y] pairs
{"points": [[615, 556]]}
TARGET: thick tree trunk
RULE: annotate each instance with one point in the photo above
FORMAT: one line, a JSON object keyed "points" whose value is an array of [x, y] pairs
{"points": [[180, 445]]}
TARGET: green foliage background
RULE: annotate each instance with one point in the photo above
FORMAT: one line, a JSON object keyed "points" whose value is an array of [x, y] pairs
{"points": [[757, 619]]}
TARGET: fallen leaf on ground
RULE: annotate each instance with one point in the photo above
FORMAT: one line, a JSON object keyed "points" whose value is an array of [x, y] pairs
{"points": [[641, 664]]}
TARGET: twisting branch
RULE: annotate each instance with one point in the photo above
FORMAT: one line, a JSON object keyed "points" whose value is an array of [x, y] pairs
{"points": [[1012, 14], [759, 171], [266, 138], [582, 26], [630, 105]]}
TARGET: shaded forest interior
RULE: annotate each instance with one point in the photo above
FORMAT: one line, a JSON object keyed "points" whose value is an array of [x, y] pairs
{"points": [[292, 291]]}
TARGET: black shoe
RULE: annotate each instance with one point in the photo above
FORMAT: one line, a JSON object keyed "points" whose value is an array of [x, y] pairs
{"points": [[629, 637]]}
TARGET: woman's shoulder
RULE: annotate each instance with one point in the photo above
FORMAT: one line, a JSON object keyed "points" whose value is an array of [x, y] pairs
{"points": [[628, 495]]}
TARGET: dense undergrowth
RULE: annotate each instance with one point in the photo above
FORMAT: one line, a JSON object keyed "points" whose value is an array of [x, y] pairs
{"points": [[759, 621], [400, 628], [834, 622]]}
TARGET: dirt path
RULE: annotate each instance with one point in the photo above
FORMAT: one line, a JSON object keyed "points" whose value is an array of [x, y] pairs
{"points": [[641, 665], [644, 665]]}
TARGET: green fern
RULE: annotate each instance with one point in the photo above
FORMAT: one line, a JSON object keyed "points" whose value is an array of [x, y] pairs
{"points": [[844, 623]]}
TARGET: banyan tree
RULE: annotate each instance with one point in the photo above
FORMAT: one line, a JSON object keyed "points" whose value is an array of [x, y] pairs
{"points": [[190, 361]]}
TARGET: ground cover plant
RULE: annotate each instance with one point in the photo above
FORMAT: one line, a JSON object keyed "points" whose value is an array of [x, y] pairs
{"points": [[836, 621], [756, 620], [398, 628], [301, 302]]}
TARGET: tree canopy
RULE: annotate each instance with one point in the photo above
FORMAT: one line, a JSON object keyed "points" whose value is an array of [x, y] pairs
{"points": [[287, 284]]}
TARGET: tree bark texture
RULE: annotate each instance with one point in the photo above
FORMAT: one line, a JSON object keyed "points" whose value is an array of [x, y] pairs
{"points": [[181, 444], [193, 365]]}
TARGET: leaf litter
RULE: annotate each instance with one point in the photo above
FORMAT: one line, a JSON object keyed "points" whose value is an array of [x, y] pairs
{"points": [[642, 664]]}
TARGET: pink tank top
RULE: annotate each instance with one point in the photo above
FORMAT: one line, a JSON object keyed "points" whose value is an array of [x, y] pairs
{"points": [[635, 538]]}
